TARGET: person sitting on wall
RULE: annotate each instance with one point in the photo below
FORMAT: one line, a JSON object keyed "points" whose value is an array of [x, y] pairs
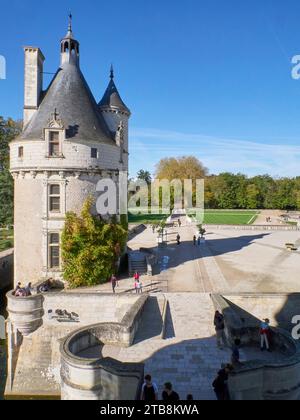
{"points": [[18, 287], [28, 289]]}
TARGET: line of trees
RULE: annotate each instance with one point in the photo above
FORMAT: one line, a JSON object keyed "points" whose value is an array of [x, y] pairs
{"points": [[9, 129], [232, 191]]}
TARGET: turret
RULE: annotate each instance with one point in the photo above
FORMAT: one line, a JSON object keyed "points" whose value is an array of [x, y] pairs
{"points": [[116, 115]]}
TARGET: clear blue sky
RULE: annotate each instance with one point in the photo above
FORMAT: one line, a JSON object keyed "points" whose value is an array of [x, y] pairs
{"points": [[210, 78]]}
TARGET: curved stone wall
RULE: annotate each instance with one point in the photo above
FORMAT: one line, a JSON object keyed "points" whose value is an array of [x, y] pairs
{"points": [[25, 313], [257, 379], [86, 375]]}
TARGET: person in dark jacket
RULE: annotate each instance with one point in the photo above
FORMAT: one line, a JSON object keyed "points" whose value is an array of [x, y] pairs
{"points": [[219, 324], [149, 390], [168, 393], [220, 384]]}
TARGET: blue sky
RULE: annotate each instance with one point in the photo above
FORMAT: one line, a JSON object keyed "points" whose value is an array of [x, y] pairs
{"points": [[211, 78]]}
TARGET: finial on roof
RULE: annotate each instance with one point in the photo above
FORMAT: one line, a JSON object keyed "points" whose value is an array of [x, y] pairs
{"points": [[70, 22], [112, 74]]}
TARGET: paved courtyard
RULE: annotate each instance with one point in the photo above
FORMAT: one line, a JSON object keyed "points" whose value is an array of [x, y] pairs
{"points": [[230, 260]]}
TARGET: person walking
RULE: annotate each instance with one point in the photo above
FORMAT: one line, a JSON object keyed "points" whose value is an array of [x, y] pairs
{"points": [[220, 330], [178, 239], [199, 240], [195, 240], [168, 393], [114, 283], [138, 287], [265, 335], [220, 384], [149, 390], [179, 223]]}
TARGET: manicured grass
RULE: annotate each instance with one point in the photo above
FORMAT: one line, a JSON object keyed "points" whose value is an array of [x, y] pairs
{"points": [[211, 217], [146, 218], [6, 239], [232, 217]]}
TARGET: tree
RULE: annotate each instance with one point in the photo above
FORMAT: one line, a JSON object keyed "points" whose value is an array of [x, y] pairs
{"points": [[185, 167], [9, 129], [91, 247], [145, 176]]}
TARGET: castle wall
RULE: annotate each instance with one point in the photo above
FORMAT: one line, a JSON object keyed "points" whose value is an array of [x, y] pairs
{"points": [[75, 156], [28, 230]]}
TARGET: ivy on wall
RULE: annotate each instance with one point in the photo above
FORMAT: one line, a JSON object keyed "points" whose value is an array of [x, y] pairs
{"points": [[91, 247]]}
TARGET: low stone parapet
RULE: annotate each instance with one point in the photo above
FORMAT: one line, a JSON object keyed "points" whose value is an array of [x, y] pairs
{"points": [[25, 313], [96, 378]]}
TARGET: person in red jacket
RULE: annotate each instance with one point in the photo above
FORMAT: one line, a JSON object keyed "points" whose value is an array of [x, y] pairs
{"points": [[265, 335]]}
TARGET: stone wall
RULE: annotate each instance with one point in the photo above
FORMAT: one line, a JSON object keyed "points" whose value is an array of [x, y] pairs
{"points": [[35, 337], [260, 380], [97, 378], [6, 269]]}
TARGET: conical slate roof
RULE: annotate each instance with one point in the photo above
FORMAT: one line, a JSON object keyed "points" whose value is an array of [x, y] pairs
{"points": [[70, 95], [112, 98]]}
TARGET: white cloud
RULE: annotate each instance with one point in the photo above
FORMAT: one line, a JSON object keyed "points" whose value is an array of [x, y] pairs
{"points": [[148, 146]]}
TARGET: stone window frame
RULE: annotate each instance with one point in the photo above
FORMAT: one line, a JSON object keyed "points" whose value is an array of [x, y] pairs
{"points": [[53, 195], [47, 213], [61, 137], [50, 246]]}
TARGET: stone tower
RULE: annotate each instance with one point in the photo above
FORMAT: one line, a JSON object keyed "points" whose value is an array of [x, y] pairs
{"points": [[68, 143]]}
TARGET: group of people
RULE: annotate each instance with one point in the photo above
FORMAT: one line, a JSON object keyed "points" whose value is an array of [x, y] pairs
{"points": [[138, 285], [197, 241], [23, 291], [150, 392]]}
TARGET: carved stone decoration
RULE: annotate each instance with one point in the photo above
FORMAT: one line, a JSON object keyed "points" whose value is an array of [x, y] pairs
{"points": [[55, 122], [33, 174]]}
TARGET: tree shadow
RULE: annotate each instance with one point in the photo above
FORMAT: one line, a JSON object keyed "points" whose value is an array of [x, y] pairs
{"points": [[187, 251]]}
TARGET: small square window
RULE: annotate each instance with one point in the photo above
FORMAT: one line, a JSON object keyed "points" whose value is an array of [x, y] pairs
{"points": [[21, 152], [94, 153]]}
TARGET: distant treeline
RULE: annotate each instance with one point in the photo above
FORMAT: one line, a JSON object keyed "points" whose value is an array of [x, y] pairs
{"points": [[229, 191]]}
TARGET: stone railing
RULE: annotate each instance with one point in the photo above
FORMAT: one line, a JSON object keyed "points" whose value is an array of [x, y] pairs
{"points": [[25, 313], [254, 227], [260, 379], [98, 378]]}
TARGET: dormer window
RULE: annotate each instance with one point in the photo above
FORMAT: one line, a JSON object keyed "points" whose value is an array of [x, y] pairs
{"points": [[54, 136], [54, 144]]}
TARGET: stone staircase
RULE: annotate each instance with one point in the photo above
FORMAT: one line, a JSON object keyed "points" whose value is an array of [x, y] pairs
{"points": [[137, 262]]}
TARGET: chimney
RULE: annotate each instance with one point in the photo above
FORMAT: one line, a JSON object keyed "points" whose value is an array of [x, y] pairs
{"points": [[33, 86]]}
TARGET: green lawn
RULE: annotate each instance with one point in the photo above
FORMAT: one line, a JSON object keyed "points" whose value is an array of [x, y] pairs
{"points": [[146, 218], [6, 239], [232, 217], [211, 217]]}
